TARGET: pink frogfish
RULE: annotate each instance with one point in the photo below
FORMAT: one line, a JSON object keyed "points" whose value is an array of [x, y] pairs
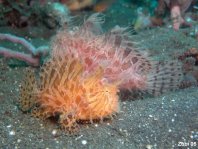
{"points": [[119, 56]]}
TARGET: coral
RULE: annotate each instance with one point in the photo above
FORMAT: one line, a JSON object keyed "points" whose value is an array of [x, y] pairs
{"points": [[103, 5], [177, 10], [189, 60], [192, 52], [35, 53], [54, 15], [31, 13], [11, 12], [146, 20], [176, 17], [143, 19], [78, 4], [64, 92]]}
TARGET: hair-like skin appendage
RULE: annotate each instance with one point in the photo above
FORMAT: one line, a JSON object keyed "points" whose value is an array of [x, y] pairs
{"points": [[119, 56], [86, 70], [65, 92]]}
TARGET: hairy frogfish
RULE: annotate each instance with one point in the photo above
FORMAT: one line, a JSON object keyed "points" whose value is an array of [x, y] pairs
{"points": [[62, 91], [86, 70]]}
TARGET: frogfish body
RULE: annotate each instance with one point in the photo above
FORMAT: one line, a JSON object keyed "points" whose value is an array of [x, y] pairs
{"points": [[85, 72]]}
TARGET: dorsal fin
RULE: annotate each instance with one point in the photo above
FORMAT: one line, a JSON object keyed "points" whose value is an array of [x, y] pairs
{"points": [[126, 50], [93, 24]]}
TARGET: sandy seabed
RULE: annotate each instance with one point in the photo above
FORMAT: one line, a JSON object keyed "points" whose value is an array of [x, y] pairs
{"points": [[167, 121]]}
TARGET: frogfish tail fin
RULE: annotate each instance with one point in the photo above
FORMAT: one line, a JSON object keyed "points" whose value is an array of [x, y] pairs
{"points": [[164, 77]]}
